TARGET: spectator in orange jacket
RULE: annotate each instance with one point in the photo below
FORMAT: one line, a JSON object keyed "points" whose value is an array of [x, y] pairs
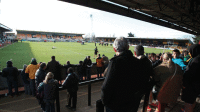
{"points": [[31, 69], [99, 62]]}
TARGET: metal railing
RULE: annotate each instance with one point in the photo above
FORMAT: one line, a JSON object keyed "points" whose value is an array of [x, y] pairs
{"points": [[80, 84]]}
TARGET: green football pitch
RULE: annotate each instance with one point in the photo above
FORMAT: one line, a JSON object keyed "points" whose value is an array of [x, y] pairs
{"points": [[21, 53]]}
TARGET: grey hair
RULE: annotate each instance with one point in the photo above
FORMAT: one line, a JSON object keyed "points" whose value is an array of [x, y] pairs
{"points": [[139, 50], [120, 44], [24, 66]]}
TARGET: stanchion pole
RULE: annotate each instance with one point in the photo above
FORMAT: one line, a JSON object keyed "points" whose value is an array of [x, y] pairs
{"points": [[146, 101], [89, 94], [57, 101]]}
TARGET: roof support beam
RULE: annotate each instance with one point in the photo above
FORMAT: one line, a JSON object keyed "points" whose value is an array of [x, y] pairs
{"points": [[108, 7], [177, 8]]}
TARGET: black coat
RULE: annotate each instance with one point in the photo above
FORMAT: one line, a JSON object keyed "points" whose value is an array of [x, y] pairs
{"points": [[192, 73], [11, 73], [54, 67], [146, 69], [25, 77], [87, 62], [121, 83], [156, 63], [71, 82], [80, 69], [39, 76]]}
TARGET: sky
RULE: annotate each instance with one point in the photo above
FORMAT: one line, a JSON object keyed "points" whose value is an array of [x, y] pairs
{"points": [[58, 16]]}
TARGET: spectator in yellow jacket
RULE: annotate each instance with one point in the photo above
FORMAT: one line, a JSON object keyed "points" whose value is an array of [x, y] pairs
{"points": [[99, 62], [31, 69]]}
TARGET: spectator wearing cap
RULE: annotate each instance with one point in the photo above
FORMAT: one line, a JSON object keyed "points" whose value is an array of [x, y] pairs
{"points": [[31, 70], [177, 59], [122, 80], [99, 64], [25, 78], [11, 74], [40, 74], [191, 83], [105, 61], [54, 67]]}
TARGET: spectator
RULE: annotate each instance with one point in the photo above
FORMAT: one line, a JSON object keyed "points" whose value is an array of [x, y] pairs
{"points": [[168, 76], [25, 78], [186, 57], [40, 74], [99, 64], [177, 60], [87, 64], [95, 52], [122, 80], [191, 78], [71, 83], [11, 74], [31, 69], [67, 66], [146, 69], [155, 62], [49, 86], [80, 70], [105, 61], [54, 67]]}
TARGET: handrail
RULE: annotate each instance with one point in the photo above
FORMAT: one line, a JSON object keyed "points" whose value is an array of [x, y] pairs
{"points": [[80, 84]]}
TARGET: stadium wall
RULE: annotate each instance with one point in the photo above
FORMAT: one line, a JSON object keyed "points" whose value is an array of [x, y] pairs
{"points": [[3, 80]]}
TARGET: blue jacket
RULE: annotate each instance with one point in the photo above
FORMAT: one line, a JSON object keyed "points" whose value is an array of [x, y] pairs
{"points": [[179, 62]]}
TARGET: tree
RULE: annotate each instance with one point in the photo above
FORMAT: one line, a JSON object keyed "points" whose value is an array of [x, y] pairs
{"points": [[130, 35]]}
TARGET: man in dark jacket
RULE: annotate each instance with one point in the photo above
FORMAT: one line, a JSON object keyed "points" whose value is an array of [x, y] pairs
{"points": [[191, 83], [81, 70], [122, 80], [87, 64], [40, 74], [54, 67], [25, 78], [145, 64], [11, 74], [71, 83], [146, 68]]}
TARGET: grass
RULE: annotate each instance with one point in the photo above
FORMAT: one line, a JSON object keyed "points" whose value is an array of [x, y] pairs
{"points": [[21, 53]]}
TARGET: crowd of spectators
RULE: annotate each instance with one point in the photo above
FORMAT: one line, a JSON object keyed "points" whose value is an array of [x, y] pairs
{"points": [[164, 75], [129, 75]]}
